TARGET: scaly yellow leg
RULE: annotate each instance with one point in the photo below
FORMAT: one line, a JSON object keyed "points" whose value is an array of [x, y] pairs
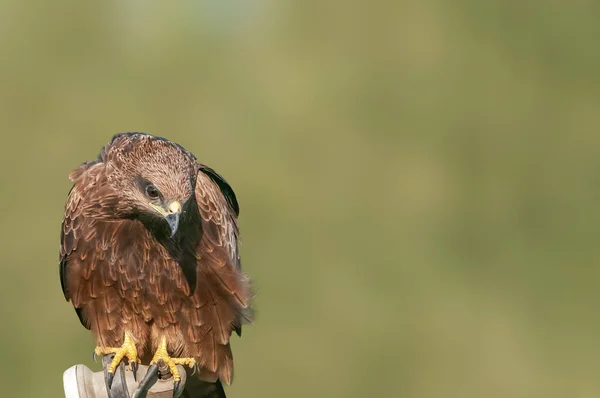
{"points": [[162, 354], [127, 350]]}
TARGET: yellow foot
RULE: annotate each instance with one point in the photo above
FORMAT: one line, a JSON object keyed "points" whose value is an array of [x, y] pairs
{"points": [[127, 350], [162, 354]]}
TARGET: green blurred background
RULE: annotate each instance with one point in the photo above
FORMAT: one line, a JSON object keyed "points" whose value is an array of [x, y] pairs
{"points": [[419, 183]]}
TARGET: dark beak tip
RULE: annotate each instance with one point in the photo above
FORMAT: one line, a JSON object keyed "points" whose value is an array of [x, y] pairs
{"points": [[173, 221]]}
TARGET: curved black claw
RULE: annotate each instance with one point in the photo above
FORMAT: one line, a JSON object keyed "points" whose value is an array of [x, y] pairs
{"points": [[134, 369], [109, 379], [195, 368], [176, 388], [148, 381]]}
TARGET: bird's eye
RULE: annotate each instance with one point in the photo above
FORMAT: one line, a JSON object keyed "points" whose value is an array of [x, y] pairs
{"points": [[152, 192]]}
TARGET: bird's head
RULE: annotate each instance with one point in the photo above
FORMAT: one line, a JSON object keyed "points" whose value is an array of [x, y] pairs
{"points": [[154, 179]]}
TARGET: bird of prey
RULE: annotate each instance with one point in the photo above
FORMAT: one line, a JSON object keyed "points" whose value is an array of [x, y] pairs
{"points": [[149, 258]]}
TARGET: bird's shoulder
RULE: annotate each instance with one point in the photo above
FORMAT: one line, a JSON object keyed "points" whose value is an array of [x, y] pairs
{"points": [[218, 181], [219, 257], [219, 210]]}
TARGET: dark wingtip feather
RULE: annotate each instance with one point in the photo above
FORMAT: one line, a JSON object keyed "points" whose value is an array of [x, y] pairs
{"points": [[63, 277], [226, 189], [79, 312]]}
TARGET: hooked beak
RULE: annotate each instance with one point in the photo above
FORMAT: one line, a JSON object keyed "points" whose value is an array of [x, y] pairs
{"points": [[172, 216]]}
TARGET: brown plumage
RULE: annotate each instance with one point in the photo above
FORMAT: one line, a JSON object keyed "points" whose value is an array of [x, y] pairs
{"points": [[123, 269]]}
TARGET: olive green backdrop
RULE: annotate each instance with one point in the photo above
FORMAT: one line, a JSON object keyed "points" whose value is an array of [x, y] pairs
{"points": [[419, 183]]}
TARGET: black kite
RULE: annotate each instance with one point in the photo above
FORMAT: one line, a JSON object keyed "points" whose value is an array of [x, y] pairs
{"points": [[149, 257]]}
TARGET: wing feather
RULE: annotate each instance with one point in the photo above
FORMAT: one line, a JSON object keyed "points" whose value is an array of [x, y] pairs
{"points": [[98, 263], [222, 297]]}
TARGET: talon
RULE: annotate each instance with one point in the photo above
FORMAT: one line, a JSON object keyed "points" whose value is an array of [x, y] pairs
{"points": [[134, 369], [127, 350], [176, 387], [109, 379], [195, 368], [147, 382], [95, 357]]}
